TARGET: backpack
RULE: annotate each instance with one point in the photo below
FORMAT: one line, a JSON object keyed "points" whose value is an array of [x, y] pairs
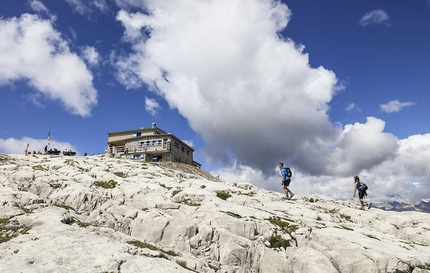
{"points": [[361, 186], [289, 173]]}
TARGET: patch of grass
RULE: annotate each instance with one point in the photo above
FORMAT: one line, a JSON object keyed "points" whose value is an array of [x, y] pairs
{"points": [[4, 221], [39, 168], [151, 247], [106, 185], [4, 159], [120, 174], [276, 241], [64, 206], [175, 192], [224, 195], [285, 226], [164, 186], [346, 217], [11, 229]]}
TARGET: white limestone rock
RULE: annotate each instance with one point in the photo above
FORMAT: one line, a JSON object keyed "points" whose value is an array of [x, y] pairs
{"points": [[166, 217]]}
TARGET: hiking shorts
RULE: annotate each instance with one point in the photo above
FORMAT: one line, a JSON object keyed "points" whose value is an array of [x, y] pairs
{"points": [[361, 194], [287, 182]]}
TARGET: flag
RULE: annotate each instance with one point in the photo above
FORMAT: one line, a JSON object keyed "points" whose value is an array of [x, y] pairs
{"points": [[49, 138]]}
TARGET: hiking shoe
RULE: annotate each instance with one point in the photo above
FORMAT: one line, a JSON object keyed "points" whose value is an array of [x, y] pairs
{"points": [[291, 196], [368, 206]]}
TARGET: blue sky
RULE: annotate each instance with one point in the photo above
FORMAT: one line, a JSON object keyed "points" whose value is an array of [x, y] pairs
{"points": [[331, 88]]}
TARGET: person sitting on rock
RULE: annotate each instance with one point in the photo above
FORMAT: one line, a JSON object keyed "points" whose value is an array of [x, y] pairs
{"points": [[362, 191]]}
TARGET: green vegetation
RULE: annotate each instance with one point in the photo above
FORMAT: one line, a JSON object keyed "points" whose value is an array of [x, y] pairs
{"points": [[151, 247], [79, 223], [224, 195], [120, 174], [4, 159], [319, 218], [11, 229], [175, 192], [276, 241], [164, 186], [285, 226], [106, 185], [39, 168], [346, 217]]}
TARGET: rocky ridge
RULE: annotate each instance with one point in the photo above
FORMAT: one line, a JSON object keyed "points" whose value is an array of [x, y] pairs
{"points": [[97, 214]]}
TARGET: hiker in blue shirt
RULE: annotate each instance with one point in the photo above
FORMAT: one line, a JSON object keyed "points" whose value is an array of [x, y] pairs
{"points": [[362, 191], [286, 180]]}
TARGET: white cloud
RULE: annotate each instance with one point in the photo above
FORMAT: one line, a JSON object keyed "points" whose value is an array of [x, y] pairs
{"points": [[151, 106], [90, 54], [251, 94], [374, 17], [79, 6], [189, 142], [38, 6], [403, 177], [395, 106], [33, 51], [244, 85], [351, 107], [18, 146]]}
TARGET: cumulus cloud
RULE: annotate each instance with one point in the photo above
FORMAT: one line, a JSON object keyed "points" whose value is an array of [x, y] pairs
{"points": [[249, 92], [33, 51], [18, 146], [245, 86], [151, 106], [403, 177], [374, 17], [39, 7], [91, 55], [395, 106]]}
